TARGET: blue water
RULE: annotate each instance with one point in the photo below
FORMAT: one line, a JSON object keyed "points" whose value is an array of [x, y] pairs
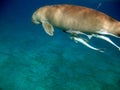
{"points": [[32, 60]]}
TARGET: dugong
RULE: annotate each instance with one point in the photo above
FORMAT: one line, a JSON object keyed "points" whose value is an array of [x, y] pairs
{"points": [[78, 20], [75, 18]]}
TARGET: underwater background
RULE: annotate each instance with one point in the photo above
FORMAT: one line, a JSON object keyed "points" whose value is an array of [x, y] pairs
{"points": [[32, 60]]}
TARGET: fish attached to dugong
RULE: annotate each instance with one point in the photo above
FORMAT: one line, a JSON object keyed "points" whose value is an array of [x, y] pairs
{"points": [[75, 19]]}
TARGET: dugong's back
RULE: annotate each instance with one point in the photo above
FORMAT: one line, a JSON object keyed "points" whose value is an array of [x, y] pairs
{"points": [[76, 17]]}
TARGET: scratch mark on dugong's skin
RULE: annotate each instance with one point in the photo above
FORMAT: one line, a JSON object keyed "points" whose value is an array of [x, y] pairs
{"points": [[71, 17]]}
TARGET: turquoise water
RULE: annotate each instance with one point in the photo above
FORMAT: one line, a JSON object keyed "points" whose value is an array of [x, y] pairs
{"points": [[32, 60]]}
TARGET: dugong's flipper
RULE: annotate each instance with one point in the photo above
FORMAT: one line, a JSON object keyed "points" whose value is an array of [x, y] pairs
{"points": [[108, 40], [85, 43], [47, 27]]}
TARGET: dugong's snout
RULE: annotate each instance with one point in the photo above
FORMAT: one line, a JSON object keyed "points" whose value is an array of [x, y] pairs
{"points": [[35, 20]]}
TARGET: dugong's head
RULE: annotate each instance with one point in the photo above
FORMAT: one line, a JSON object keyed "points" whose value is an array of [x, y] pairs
{"points": [[39, 17], [36, 18]]}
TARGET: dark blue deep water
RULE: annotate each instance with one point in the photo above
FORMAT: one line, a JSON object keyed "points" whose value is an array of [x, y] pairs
{"points": [[32, 60]]}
